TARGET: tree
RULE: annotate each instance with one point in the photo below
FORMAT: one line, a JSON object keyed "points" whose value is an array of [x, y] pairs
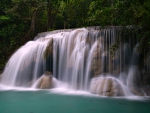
{"points": [[52, 11]]}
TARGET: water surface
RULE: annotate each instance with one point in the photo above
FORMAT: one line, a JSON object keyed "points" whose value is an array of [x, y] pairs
{"points": [[43, 101]]}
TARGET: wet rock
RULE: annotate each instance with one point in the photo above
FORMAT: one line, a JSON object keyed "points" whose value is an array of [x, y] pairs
{"points": [[136, 90], [45, 81], [145, 70], [88, 39], [115, 67], [96, 61], [49, 49], [106, 86], [134, 81], [146, 90]]}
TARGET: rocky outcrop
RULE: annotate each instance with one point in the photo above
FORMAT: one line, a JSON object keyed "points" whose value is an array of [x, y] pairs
{"points": [[106, 86], [146, 89], [145, 71], [45, 82], [96, 60], [136, 90], [134, 81], [49, 48], [103, 61]]}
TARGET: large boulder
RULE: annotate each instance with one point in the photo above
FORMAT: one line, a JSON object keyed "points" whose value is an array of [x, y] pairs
{"points": [[106, 86], [45, 82]]}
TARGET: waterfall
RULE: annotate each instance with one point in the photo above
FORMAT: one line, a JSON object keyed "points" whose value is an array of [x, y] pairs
{"points": [[75, 57]]}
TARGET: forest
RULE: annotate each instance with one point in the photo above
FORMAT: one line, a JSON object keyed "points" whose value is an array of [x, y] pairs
{"points": [[22, 20]]}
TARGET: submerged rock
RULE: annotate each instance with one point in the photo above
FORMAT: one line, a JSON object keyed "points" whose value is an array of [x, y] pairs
{"points": [[45, 81], [106, 86]]}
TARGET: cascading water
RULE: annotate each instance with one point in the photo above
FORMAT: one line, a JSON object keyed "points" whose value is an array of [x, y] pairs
{"points": [[25, 65], [75, 57]]}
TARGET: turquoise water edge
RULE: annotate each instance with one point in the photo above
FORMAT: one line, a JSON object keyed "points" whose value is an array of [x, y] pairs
{"points": [[47, 102]]}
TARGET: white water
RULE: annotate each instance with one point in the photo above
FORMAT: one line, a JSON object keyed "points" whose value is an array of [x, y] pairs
{"points": [[78, 56]]}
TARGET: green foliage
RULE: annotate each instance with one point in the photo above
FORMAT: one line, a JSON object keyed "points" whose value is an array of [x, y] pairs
{"points": [[114, 47], [3, 18]]}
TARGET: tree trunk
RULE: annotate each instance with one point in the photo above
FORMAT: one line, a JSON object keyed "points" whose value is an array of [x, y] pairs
{"points": [[51, 14], [32, 26]]}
